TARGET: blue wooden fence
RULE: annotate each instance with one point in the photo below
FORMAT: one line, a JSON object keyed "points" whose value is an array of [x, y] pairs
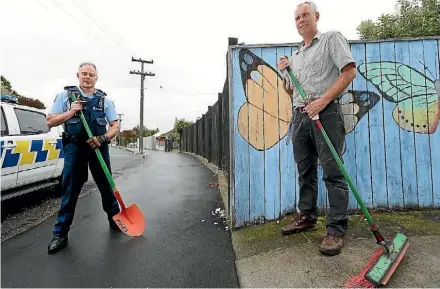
{"points": [[391, 113]]}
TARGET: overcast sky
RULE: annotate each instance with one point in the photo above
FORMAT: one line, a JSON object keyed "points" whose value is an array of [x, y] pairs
{"points": [[43, 41]]}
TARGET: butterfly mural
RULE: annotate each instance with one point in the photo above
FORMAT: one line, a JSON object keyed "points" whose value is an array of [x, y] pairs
{"points": [[265, 118], [417, 96]]}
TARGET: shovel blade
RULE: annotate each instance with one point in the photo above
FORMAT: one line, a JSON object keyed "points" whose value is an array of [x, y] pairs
{"points": [[130, 221]]}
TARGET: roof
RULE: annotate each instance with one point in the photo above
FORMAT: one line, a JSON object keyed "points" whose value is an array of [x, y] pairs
{"points": [[13, 101]]}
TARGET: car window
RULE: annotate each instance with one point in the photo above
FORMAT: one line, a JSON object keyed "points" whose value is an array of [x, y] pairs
{"points": [[31, 122], [4, 126]]}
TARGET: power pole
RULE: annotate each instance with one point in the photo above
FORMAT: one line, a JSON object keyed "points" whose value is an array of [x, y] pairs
{"points": [[142, 74], [120, 119]]}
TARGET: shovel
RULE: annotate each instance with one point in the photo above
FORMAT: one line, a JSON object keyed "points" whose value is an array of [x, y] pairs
{"points": [[130, 220]]}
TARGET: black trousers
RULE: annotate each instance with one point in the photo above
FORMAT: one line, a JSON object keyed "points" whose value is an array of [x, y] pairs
{"points": [[308, 146], [76, 159]]}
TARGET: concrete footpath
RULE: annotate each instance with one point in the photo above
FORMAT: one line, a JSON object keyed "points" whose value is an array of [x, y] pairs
{"points": [[267, 259]]}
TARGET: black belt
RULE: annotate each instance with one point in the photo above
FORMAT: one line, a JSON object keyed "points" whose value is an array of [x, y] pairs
{"points": [[301, 108], [73, 139]]}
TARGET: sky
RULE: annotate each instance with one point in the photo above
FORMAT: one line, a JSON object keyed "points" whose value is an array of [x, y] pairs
{"points": [[43, 42]]}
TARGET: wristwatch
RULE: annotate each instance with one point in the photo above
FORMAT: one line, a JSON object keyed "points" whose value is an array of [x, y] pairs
{"points": [[107, 139]]}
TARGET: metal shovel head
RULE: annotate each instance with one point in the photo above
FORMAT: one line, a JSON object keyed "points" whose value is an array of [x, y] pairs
{"points": [[130, 221]]}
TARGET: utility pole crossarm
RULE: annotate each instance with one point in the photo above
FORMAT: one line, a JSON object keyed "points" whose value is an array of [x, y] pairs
{"points": [[141, 60], [142, 73]]}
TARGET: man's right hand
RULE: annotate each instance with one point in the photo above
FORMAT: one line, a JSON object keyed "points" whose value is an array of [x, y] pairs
{"points": [[283, 63], [76, 106]]}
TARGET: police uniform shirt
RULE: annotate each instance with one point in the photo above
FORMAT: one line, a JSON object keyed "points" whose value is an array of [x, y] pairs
{"points": [[61, 104]]}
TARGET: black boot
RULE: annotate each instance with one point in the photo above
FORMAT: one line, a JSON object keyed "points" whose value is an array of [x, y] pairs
{"points": [[113, 225], [56, 244]]}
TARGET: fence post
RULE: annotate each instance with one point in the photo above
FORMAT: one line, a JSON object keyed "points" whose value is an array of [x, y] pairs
{"points": [[220, 131], [182, 140], [214, 140], [195, 137], [225, 129], [208, 133], [203, 134], [188, 138], [226, 108]]}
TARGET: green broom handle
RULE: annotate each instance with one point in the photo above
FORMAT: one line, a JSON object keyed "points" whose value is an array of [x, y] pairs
{"points": [[98, 152], [332, 149]]}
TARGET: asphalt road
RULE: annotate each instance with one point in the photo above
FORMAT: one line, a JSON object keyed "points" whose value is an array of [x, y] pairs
{"points": [[24, 212], [184, 244]]}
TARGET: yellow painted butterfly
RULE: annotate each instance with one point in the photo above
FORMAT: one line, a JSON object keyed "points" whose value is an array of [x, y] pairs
{"points": [[265, 117]]}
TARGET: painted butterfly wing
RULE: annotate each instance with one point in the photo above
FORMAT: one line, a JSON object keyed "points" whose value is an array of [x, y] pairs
{"points": [[415, 94], [265, 117], [355, 104], [397, 81]]}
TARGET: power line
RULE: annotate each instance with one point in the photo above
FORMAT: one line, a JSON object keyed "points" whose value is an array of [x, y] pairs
{"points": [[73, 18], [190, 93], [100, 27]]}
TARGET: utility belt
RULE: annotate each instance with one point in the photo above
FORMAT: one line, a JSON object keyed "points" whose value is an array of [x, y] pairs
{"points": [[72, 139]]}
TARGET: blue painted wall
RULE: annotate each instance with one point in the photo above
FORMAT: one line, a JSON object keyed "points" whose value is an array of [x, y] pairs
{"points": [[391, 114]]}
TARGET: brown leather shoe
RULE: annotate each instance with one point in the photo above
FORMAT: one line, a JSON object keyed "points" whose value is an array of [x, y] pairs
{"points": [[301, 223], [331, 244]]}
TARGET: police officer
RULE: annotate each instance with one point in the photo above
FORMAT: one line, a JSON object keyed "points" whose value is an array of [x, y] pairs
{"points": [[79, 149]]}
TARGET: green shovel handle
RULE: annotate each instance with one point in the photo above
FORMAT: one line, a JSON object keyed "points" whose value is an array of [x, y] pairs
{"points": [[98, 152]]}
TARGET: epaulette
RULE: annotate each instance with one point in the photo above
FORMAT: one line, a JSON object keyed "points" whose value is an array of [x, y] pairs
{"points": [[71, 88], [100, 93]]}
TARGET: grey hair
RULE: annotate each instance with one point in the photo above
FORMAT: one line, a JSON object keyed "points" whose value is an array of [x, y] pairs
{"points": [[88, 63], [312, 5]]}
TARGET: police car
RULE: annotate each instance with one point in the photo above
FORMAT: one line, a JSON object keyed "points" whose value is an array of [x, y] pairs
{"points": [[31, 154]]}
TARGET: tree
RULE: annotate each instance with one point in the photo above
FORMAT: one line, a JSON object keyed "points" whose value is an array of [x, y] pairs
{"points": [[179, 124], [128, 136], [413, 18], [6, 88], [145, 131]]}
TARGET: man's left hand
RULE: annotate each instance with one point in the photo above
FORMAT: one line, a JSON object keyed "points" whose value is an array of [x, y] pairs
{"points": [[315, 107], [97, 141]]}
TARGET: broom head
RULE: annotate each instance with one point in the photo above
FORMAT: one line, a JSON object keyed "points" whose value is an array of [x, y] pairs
{"points": [[381, 266]]}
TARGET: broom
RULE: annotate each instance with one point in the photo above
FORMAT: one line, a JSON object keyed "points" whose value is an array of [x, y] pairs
{"points": [[384, 262]]}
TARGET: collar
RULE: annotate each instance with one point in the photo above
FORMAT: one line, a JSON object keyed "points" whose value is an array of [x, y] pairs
{"points": [[301, 46], [84, 94]]}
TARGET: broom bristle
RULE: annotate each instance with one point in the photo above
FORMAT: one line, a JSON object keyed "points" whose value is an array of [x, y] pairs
{"points": [[359, 281]]}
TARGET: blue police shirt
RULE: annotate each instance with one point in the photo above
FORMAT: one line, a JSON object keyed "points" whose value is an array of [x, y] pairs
{"points": [[61, 104]]}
